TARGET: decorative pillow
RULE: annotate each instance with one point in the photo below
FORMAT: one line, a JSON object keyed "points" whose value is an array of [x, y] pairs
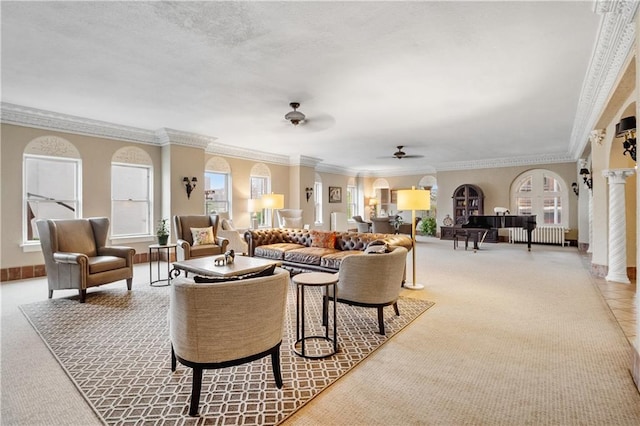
{"points": [[202, 236], [377, 246], [292, 222], [263, 273], [227, 225], [323, 239]]}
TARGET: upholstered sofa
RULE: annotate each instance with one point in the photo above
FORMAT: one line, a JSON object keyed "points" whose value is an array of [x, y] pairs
{"points": [[302, 250]]}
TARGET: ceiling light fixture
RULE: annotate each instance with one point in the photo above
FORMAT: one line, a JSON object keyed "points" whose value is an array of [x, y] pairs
{"points": [[295, 116]]}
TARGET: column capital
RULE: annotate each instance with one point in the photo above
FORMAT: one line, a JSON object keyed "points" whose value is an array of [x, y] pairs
{"points": [[617, 175]]}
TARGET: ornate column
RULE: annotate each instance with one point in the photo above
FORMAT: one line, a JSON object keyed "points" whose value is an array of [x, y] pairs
{"points": [[617, 225]]}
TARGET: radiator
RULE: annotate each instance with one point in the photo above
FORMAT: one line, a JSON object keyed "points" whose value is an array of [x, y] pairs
{"points": [[543, 235]]}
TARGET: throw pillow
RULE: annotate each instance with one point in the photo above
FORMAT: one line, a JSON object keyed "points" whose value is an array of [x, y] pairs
{"points": [[263, 273], [202, 236], [323, 239], [377, 246], [292, 222]]}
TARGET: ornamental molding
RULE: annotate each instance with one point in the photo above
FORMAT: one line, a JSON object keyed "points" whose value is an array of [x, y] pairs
{"points": [[529, 160], [617, 176], [303, 160], [47, 120], [614, 44], [132, 155], [166, 136], [217, 164], [247, 154], [52, 146]]}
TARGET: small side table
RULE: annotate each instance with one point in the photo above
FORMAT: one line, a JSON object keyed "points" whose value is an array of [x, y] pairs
{"points": [[158, 249], [314, 279]]}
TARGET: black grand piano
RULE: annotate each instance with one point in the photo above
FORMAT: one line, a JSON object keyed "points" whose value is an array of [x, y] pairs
{"points": [[527, 222]]}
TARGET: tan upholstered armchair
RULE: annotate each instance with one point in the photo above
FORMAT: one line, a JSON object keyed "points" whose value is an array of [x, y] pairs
{"points": [[184, 237], [371, 280], [218, 325], [76, 255], [290, 218], [226, 229], [382, 225], [361, 224]]}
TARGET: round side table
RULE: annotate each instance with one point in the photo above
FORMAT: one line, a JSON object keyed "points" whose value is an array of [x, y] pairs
{"points": [[158, 248], [315, 279]]}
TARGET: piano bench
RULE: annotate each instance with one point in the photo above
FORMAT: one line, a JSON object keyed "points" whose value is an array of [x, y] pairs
{"points": [[460, 235]]}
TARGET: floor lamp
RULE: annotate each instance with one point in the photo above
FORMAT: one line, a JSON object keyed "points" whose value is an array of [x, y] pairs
{"points": [[272, 202], [414, 199]]}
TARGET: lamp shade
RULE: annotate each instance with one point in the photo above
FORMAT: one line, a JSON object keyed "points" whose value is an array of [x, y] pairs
{"points": [[272, 201], [414, 199], [626, 124], [254, 205], [373, 202]]}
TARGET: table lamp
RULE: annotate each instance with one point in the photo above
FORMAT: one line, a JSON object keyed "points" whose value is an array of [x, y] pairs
{"points": [[272, 202], [414, 199]]}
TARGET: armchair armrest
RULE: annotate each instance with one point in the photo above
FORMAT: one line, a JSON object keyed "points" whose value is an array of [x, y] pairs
{"points": [[222, 242], [68, 257], [118, 251]]}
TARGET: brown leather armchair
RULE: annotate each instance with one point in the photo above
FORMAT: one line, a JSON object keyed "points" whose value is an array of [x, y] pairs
{"points": [[76, 255], [184, 238]]}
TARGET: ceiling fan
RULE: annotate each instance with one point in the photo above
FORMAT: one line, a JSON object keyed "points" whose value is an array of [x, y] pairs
{"points": [[400, 154], [317, 123]]}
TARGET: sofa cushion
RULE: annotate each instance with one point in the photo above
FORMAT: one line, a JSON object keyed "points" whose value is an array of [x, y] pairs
{"points": [[99, 264], [202, 236], [275, 251], [333, 260], [308, 255], [323, 239]]}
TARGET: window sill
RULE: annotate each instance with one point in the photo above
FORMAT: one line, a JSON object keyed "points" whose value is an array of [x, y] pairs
{"points": [[135, 239], [31, 247]]}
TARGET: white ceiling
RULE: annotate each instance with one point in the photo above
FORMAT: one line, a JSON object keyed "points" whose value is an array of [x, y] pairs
{"points": [[451, 81]]}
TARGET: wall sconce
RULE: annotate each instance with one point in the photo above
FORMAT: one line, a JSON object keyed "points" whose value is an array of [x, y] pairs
{"points": [[189, 185], [309, 192], [586, 177], [627, 128], [575, 188]]}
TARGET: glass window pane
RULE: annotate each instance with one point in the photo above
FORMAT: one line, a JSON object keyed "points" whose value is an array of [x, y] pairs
{"points": [[50, 179], [129, 183], [552, 211], [551, 184], [523, 205], [130, 218], [525, 185]]}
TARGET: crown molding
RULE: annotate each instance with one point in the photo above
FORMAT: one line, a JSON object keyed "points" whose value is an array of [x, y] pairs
{"points": [[614, 43], [48, 120], [247, 154], [303, 160], [166, 136], [526, 160]]}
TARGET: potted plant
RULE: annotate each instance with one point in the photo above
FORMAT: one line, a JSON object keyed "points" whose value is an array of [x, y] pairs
{"points": [[162, 231], [428, 225]]}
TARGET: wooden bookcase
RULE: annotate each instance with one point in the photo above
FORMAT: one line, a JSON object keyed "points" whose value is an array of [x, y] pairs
{"points": [[468, 200]]}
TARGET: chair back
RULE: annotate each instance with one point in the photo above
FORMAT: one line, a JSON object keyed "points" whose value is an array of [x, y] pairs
{"points": [[183, 225], [293, 218], [72, 235], [372, 278], [382, 225], [218, 322]]}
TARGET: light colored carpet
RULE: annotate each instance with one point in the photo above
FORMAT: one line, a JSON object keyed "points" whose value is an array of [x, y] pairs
{"points": [[514, 338], [115, 347]]}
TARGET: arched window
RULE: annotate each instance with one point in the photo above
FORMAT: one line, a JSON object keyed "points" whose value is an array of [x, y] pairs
{"points": [[352, 198], [131, 193], [542, 193], [52, 174], [217, 186]]}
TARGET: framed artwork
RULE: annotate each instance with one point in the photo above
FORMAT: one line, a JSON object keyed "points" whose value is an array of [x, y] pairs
{"points": [[335, 194]]}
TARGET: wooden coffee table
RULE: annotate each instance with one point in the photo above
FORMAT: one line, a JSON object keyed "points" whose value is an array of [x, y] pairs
{"points": [[205, 266]]}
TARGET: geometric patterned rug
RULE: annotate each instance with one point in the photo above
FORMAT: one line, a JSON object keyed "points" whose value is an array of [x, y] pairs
{"points": [[116, 350]]}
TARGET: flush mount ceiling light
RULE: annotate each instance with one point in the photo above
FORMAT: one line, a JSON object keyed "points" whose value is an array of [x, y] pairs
{"points": [[295, 116]]}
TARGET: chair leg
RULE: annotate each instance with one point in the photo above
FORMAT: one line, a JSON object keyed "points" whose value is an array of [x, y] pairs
{"points": [[381, 320], [173, 359], [50, 294], [275, 363], [129, 283], [395, 308], [196, 387], [83, 295]]}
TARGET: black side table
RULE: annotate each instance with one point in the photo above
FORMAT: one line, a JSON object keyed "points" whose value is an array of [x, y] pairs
{"points": [[158, 248], [314, 279]]}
